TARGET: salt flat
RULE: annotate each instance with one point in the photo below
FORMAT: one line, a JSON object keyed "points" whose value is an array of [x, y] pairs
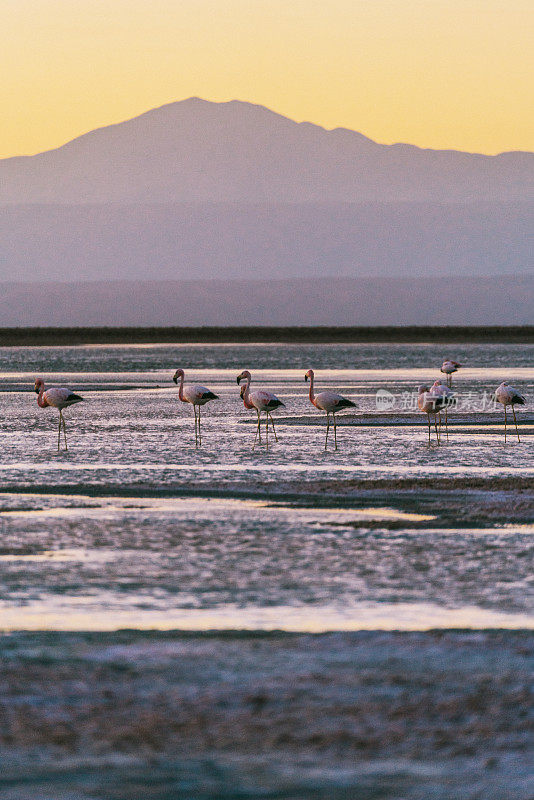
{"points": [[366, 560]]}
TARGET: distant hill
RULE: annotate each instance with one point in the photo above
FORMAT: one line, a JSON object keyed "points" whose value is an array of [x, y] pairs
{"points": [[196, 190], [373, 301], [276, 240], [195, 150]]}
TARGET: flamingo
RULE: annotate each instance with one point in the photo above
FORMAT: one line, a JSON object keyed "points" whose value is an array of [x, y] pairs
{"points": [[329, 402], [248, 405], [59, 398], [430, 404], [445, 398], [261, 400], [448, 367], [508, 396], [196, 395]]}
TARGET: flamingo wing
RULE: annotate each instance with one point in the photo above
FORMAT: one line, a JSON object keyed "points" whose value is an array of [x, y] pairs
{"points": [[430, 402], [264, 400], [439, 390], [59, 396], [508, 396], [448, 367], [195, 393], [331, 401], [515, 397], [204, 393]]}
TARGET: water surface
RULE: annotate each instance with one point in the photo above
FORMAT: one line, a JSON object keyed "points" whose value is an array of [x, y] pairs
{"points": [[135, 527]]}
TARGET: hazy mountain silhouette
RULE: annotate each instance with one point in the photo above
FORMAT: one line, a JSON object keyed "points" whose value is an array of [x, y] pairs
{"points": [[264, 240], [197, 190], [195, 150]]}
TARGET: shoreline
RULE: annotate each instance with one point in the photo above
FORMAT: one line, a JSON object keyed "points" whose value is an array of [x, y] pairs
{"points": [[409, 334]]}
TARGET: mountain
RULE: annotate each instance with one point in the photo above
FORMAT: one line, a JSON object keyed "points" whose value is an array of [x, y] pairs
{"points": [[201, 151], [318, 301], [263, 240], [196, 191]]}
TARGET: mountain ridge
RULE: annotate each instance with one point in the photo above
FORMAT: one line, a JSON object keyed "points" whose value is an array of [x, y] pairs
{"points": [[196, 149], [188, 101]]}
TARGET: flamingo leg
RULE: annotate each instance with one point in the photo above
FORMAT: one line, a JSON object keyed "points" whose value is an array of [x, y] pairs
{"points": [[257, 429], [272, 423], [327, 429], [267, 430], [335, 430], [196, 432], [199, 433], [428, 417], [64, 431], [59, 432], [505, 424], [446, 423], [515, 420]]}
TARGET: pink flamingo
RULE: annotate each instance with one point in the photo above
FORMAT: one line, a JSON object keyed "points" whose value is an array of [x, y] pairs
{"points": [[444, 399], [508, 396], [448, 367], [430, 404], [248, 405], [59, 398], [195, 394], [329, 402], [261, 400]]}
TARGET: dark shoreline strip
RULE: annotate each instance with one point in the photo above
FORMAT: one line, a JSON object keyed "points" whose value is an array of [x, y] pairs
{"points": [[10, 337], [339, 488], [12, 639]]}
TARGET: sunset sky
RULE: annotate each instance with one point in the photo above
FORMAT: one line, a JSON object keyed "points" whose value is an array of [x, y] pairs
{"points": [[436, 73]]}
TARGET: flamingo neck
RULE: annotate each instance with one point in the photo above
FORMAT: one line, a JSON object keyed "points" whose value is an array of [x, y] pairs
{"points": [[312, 395], [246, 397], [181, 389]]}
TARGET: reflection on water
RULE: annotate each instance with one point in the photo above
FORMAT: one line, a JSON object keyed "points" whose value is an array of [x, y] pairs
{"points": [[114, 532], [235, 357], [387, 617], [200, 562]]}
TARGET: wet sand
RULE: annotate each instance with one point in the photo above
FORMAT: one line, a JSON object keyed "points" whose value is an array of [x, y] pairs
{"points": [[364, 715], [436, 715]]}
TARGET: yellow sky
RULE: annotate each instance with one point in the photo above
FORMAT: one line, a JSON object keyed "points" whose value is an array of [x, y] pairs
{"points": [[436, 73]]}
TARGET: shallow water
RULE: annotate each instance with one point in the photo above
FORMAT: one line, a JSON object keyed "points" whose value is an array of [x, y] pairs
{"points": [[135, 527]]}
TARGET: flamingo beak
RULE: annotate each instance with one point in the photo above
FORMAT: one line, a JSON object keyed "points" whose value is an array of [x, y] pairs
{"points": [[306, 378], [175, 379], [238, 379]]}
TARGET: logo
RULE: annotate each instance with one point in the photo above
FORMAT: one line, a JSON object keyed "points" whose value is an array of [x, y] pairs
{"points": [[384, 400]]}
